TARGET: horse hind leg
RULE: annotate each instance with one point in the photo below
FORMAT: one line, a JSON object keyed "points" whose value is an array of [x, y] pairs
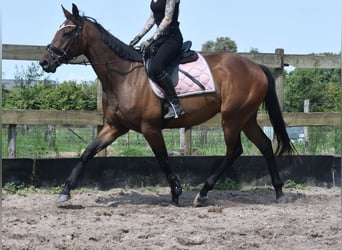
{"points": [[263, 143], [234, 150], [106, 136]]}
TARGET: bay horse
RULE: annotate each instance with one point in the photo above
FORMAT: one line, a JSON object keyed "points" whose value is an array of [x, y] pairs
{"points": [[130, 104]]}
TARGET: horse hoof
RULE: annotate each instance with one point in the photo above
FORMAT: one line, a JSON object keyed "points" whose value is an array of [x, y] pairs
{"points": [[63, 198], [200, 201], [176, 192], [279, 195], [282, 199], [174, 204]]}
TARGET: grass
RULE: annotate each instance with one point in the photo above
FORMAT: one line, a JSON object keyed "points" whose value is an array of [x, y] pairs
{"points": [[33, 143], [188, 187], [227, 184], [10, 188], [294, 185]]}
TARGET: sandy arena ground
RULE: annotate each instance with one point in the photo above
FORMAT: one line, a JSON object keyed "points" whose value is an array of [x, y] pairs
{"points": [[142, 219]]}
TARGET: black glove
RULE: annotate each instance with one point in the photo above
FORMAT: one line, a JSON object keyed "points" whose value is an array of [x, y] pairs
{"points": [[135, 41], [146, 44]]}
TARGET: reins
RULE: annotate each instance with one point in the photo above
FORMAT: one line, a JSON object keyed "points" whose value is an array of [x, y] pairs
{"points": [[86, 63]]}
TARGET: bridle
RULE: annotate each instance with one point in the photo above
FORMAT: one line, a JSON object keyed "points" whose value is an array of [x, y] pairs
{"points": [[62, 56]]}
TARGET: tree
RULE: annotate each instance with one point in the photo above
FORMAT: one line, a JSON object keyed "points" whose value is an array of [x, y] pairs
{"points": [[321, 86], [70, 95], [221, 44], [33, 92], [25, 77], [254, 50], [21, 95]]}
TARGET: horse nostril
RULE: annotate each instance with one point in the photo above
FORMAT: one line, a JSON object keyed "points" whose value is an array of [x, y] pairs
{"points": [[43, 63]]}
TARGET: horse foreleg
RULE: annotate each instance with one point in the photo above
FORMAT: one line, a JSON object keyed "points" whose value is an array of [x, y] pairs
{"points": [[156, 141], [106, 136]]}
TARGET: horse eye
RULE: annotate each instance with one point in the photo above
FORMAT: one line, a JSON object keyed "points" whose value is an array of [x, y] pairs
{"points": [[67, 34]]}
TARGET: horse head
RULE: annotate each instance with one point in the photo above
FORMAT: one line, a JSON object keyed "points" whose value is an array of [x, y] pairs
{"points": [[67, 42]]}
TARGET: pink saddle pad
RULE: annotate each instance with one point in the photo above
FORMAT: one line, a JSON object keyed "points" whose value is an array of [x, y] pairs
{"points": [[198, 69]]}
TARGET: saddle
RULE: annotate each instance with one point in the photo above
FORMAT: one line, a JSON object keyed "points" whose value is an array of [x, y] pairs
{"points": [[186, 55]]}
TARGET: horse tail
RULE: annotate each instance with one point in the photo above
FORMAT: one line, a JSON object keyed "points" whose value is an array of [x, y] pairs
{"points": [[274, 112]]}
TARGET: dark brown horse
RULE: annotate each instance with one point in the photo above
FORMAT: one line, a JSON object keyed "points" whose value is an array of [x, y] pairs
{"points": [[130, 104]]}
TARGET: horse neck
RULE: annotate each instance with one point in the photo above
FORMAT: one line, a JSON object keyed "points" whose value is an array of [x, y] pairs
{"points": [[108, 66]]}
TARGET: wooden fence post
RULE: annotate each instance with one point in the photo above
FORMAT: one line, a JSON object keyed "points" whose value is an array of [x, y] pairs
{"points": [[12, 141], [185, 141], [188, 142], [279, 78], [306, 129], [182, 140]]}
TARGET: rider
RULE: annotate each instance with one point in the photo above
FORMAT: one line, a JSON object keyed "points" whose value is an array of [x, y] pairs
{"points": [[167, 41]]}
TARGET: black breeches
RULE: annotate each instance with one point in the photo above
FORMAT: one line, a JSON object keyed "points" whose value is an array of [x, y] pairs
{"points": [[167, 51]]}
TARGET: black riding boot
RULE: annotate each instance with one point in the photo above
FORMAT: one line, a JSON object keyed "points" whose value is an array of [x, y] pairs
{"points": [[175, 109]]}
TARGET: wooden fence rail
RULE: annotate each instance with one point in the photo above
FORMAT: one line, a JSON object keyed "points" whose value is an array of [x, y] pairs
{"points": [[52, 117], [272, 60], [95, 118], [277, 60]]}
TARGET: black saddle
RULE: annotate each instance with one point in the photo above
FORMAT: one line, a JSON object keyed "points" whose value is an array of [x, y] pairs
{"points": [[186, 55]]}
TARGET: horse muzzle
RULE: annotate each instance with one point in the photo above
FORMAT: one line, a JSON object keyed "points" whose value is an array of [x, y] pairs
{"points": [[48, 64]]}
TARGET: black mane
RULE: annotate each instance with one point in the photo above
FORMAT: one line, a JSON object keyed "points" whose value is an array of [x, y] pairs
{"points": [[120, 48]]}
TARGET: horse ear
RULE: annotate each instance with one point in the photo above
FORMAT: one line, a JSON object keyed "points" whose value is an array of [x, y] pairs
{"points": [[67, 14], [75, 12]]}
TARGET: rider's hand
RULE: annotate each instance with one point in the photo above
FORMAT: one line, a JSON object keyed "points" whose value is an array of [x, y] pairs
{"points": [[146, 44], [135, 41]]}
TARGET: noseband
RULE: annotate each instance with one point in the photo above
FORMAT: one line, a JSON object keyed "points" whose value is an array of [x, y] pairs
{"points": [[62, 56]]}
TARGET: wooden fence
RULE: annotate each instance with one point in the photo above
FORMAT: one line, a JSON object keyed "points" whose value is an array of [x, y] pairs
{"points": [[277, 60]]}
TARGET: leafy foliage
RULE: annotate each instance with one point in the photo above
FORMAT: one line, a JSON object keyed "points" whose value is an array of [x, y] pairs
{"points": [[22, 190], [321, 86], [227, 184], [294, 185], [221, 44], [33, 92]]}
